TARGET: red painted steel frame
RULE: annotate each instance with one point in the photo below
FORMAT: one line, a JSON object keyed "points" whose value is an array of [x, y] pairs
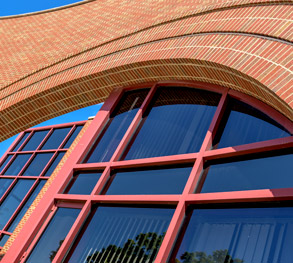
{"points": [[54, 196], [33, 153]]}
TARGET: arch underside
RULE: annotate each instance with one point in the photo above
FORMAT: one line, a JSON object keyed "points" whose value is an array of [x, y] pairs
{"points": [[247, 48]]}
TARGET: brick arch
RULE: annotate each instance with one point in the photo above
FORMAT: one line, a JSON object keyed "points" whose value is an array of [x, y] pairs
{"points": [[57, 67]]}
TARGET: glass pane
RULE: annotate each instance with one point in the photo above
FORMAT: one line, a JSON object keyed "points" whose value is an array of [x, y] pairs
{"points": [[56, 138], [8, 158], [72, 137], [35, 140], [117, 126], [243, 124], [38, 164], [17, 164], [259, 235], [13, 199], [159, 181], [54, 164], [122, 234], [83, 183], [26, 206], [4, 184], [177, 123], [21, 141], [54, 235], [3, 240], [262, 173]]}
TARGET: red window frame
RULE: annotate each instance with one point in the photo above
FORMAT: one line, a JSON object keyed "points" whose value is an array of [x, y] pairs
{"points": [[54, 198], [15, 178]]}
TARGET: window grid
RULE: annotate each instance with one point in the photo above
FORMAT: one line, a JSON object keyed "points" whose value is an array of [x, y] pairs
{"points": [[38, 178], [181, 201]]}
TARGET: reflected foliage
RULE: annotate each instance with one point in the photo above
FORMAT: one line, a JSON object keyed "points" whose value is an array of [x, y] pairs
{"points": [[218, 256], [144, 247]]}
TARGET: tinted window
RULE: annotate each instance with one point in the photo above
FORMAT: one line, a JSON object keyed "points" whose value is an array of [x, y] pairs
{"points": [[244, 124], [26, 206], [54, 164], [38, 164], [159, 181], [177, 123], [56, 138], [238, 235], [53, 236], [116, 127], [3, 240], [4, 184], [17, 164], [83, 183], [122, 234], [21, 141], [35, 140], [73, 136], [12, 201], [8, 158], [262, 173]]}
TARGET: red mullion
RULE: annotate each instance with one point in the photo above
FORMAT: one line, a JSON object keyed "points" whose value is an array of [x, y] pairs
{"points": [[21, 204], [68, 241], [34, 237], [171, 234], [67, 137], [102, 181], [8, 164], [208, 140], [45, 139], [8, 189], [5, 233], [71, 198], [18, 140], [249, 196], [258, 147], [100, 121], [56, 126], [90, 166], [26, 164], [48, 164], [134, 124], [277, 116], [156, 161]]}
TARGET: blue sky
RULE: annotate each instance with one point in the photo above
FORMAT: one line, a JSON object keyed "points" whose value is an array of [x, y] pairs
{"points": [[16, 7]]}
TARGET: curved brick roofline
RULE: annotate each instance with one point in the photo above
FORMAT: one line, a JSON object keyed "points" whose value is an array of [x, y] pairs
{"points": [[59, 60]]}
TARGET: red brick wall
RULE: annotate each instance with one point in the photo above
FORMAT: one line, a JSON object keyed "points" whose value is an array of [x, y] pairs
{"points": [[56, 62]]}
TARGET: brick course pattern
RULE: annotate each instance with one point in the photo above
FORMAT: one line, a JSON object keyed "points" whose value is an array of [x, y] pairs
{"points": [[58, 61]]}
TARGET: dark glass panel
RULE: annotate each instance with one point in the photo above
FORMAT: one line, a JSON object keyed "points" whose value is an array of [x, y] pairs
{"points": [[122, 234], [246, 235], [26, 206], [17, 164], [83, 183], [13, 199], [54, 164], [261, 173], [38, 164], [4, 184], [243, 124], [54, 235], [159, 181], [72, 137], [21, 141], [7, 159], [120, 120], [177, 123], [35, 140], [3, 240], [56, 138]]}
